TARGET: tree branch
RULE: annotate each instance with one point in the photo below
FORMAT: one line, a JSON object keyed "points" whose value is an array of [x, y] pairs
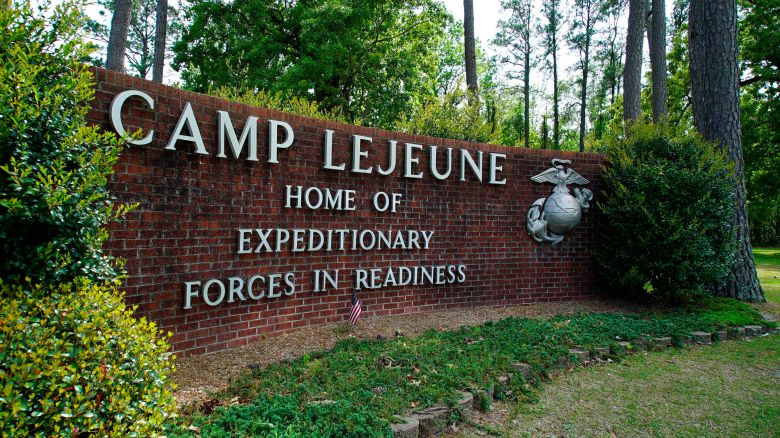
{"points": [[752, 80]]}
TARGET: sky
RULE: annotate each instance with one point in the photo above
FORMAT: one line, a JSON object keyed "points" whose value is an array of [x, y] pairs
{"points": [[486, 16]]}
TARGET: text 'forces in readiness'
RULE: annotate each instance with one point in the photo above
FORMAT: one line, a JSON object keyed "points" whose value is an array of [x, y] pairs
{"points": [[274, 240]]}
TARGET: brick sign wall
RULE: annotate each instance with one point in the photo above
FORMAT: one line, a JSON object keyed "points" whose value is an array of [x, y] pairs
{"points": [[224, 249]]}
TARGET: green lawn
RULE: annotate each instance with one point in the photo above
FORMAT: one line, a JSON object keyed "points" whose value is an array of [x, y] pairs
{"points": [[731, 389], [768, 265]]}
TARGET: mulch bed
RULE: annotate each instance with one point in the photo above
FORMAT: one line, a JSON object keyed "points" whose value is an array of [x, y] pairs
{"points": [[197, 377]]}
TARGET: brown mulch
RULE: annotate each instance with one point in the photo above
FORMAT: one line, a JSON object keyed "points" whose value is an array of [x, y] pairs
{"points": [[197, 377]]}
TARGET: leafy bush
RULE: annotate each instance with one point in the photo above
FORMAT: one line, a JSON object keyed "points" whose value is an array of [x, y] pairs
{"points": [[668, 203], [450, 116], [74, 360], [280, 102], [53, 169]]}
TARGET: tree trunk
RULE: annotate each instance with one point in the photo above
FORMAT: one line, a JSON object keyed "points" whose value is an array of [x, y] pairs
{"points": [[632, 72], [583, 99], [658, 61], [715, 96], [556, 112], [584, 89], [613, 66], [469, 44], [117, 39], [160, 37], [527, 93]]}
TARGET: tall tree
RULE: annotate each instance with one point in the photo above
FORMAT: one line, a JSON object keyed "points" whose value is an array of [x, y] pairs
{"points": [[613, 9], [632, 71], [370, 60], [586, 14], [147, 37], [470, 47], [160, 29], [550, 29], [716, 113], [515, 35], [658, 61], [117, 42]]}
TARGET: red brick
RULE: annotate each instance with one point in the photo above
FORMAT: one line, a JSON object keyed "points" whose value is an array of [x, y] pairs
{"points": [[190, 207]]}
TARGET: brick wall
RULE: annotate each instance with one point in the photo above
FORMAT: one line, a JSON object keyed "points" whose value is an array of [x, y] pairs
{"points": [[191, 206]]}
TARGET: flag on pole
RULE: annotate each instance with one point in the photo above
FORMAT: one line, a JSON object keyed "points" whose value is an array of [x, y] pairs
{"points": [[356, 309]]}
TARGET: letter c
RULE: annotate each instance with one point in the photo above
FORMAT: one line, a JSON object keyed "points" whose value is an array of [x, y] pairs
{"points": [[115, 112]]}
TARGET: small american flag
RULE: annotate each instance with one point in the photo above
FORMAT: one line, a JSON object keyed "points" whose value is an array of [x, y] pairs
{"points": [[356, 309]]}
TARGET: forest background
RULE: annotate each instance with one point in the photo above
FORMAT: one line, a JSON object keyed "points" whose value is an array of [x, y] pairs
{"points": [[550, 76]]}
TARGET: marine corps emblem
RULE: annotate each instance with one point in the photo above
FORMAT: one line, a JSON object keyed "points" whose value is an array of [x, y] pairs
{"points": [[550, 218]]}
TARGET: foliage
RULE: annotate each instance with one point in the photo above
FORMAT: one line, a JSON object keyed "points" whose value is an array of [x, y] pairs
{"points": [[74, 360], [281, 102], [379, 63], [141, 33], [679, 79], [358, 386], [668, 204], [761, 140], [760, 42], [760, 56], [450, 116], [289, 416], [53, 169]]}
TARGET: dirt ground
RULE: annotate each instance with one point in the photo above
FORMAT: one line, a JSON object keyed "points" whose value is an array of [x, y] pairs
{"points": [[198, 376]]}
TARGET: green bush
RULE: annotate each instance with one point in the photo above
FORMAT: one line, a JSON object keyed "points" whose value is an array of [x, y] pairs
{"points": [[53, 169], [74, 360], [668, 201], [280, 102], [450, 116]]}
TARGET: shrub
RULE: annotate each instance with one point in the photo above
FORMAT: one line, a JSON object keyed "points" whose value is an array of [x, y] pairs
{"points": [[53, 169], [668, 203], [450, 116], [74, 360], [280, 102]]}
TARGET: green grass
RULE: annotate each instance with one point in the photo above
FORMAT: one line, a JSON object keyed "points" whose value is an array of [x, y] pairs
{"points": [[358, 387], [768, 266], [731, 389]]}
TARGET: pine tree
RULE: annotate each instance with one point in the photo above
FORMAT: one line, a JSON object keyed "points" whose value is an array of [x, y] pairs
{"points": [[712, 37], [632, 71]]}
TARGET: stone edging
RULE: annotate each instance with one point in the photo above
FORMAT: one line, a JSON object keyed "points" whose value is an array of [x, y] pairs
{"points": [[433, 421]]}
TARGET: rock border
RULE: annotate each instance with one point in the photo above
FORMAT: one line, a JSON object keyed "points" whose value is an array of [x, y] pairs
{"points": [[433, 421]]}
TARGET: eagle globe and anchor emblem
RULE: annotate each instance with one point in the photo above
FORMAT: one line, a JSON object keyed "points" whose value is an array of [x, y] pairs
{"points": [[550, 218]]}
